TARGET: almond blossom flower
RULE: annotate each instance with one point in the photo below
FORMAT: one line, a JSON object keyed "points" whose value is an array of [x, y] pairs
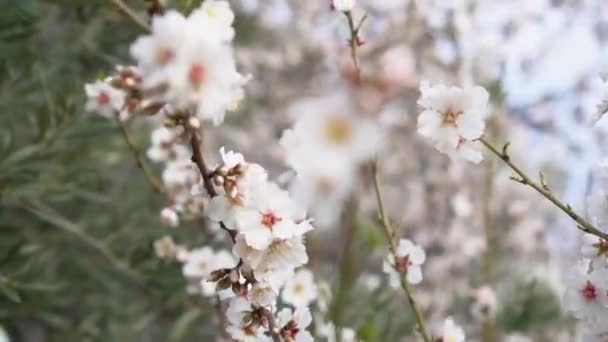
{"points": [[409, 258], [201, 262], [451, 332], [243, 326], [293, 325], [452, 118], [103, 99], [270, 217], [586, 296], [280, 254], [300, 290]]}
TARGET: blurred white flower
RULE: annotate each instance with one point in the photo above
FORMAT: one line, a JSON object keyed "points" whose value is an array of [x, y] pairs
{"points": [[262, 294], [169, 217], [409, 259], [189, 63], [484, 303], [165, 145], [293, 325], [165, 247], [326, 145], [300, 290], [280, 254], [451, 332], [452, 118], [242, 327], [462, 206], [201, 262], [103, 99], [4, 337], [327, 330], [343, 5]]}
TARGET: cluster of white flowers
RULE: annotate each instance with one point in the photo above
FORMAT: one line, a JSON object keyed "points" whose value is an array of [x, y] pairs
{"points": [[408, 261], [453, 118], [189, 63], [326, 146], [269, 240]]}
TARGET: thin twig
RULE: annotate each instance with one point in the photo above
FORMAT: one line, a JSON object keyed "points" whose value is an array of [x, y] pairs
{"points": [[542, 189], [353, 42], [199, 159], [139, 159], [130, 13], [391, 235]]}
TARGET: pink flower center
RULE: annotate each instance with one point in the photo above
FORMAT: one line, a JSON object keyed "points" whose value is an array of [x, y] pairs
{"points": [[197, 74], [589, 291], [103, 98], [164, 55], [269, 219], [450, 117], [402, 263]]}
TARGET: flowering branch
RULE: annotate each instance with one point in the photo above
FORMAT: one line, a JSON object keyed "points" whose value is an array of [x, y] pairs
{"points": [[391, 236], [141, 163], [199, 159], [130, 13], [542, 188]]}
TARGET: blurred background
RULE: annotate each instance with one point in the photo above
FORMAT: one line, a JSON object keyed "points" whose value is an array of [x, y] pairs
{"points": [[78, 220]]}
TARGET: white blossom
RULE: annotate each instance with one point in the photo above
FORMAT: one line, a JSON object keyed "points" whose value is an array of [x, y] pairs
{"points": [[452, 118], [169, 217], [293, 325], [586, 296], [4, 337], [409, 259], [343, 5], [451, 332], [300, 290], [104, 99], [165, 247], [201, 262], [241, 326], [189, 62]]}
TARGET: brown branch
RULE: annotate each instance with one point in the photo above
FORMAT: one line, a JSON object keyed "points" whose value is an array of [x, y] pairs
{"points": [[543, 189]]}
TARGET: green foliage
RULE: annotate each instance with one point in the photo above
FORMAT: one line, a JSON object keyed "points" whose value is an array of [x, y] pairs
{"points": [[77, 219], [529, 306]]}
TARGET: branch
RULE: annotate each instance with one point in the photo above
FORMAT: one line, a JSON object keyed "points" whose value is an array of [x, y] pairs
{"points": [[130, 13], [354, 41], [141, 162], [391, 234], [543, 189], [199, 159]]}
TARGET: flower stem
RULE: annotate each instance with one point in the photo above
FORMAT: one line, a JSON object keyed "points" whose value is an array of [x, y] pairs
{"points": [[353, 41], [139, 159], [543, 189], [392, 244], [130, 13]]}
